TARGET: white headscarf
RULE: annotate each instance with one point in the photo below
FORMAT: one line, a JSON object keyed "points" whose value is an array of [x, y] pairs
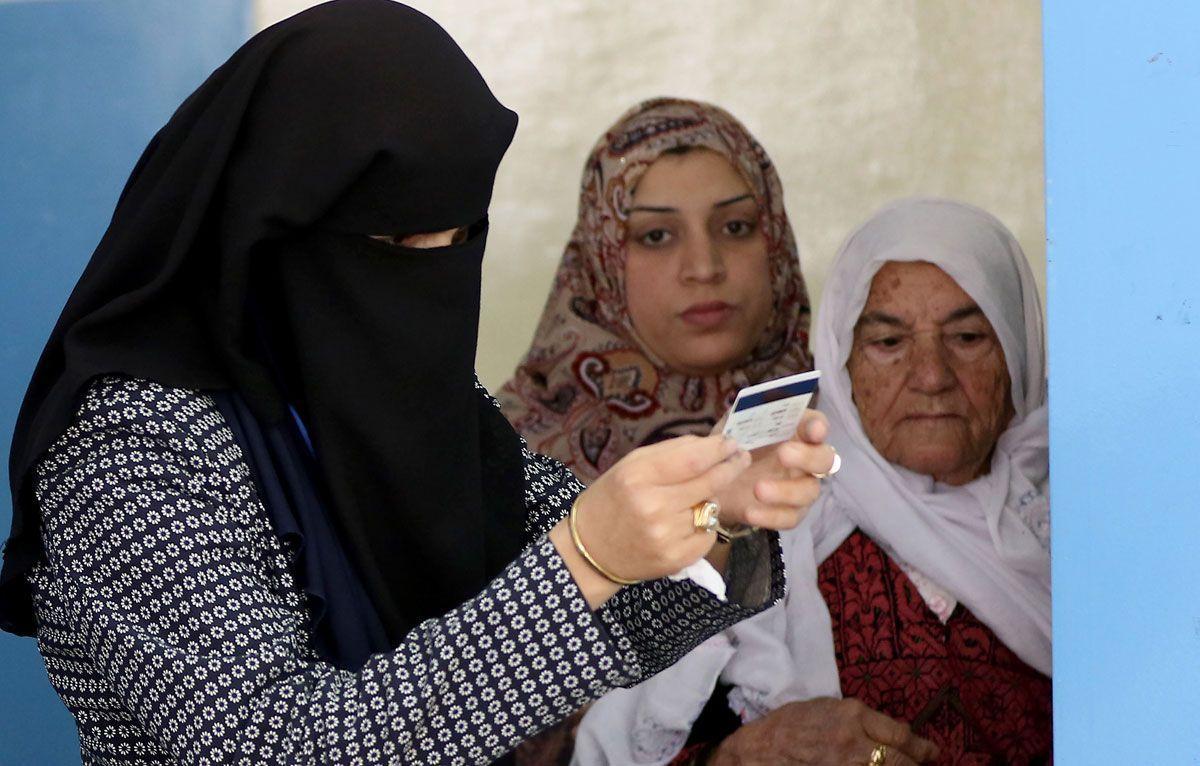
{"points": [[985, 543]]}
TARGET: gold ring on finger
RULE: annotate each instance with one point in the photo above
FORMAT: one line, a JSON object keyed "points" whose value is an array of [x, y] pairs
{"points": [[837, 466], [704, 515], [879, 755]]}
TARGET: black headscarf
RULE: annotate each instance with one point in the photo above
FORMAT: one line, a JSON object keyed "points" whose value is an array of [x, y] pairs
{"points": [[247, 218]]}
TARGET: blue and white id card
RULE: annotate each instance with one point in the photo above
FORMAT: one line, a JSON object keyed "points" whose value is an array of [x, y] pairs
{"points": [[769, 413]]}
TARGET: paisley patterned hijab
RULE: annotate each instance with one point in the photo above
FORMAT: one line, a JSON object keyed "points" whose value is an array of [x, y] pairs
{"points": [[588, 391]]}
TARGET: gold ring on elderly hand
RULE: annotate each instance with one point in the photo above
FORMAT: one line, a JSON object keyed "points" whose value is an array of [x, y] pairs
{"points": [[837, 466], [704, 515], [879, 755]]}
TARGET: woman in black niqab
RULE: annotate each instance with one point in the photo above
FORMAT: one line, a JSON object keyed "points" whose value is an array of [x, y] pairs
{"points": [[251, 279], [240, 261]]}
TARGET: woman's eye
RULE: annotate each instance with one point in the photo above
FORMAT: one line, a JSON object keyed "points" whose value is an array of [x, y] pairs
{"points": [[969, 338], [970, 345], [886, 349], [427, 241], [739, 228], [654, 237]]}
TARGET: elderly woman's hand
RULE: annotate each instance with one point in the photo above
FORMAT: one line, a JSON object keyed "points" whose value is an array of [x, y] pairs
{"points": [[778, 488], [636, 519], [823, 732]]}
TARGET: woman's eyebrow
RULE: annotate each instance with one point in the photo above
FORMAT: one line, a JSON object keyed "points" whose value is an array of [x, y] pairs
{"points": [[652, 209], [963, 313], [880, 317], [732, 200], [665, 209]]}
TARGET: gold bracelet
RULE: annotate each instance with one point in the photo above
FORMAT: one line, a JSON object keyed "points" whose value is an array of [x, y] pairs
{"points": [[587, 556]]}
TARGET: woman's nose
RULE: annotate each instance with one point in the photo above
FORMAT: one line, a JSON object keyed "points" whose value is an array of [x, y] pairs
{"points": [[930, 371], [702, 261]]}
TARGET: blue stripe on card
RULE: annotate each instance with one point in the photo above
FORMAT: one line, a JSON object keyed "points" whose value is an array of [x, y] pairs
{"points": [[799, 388]]}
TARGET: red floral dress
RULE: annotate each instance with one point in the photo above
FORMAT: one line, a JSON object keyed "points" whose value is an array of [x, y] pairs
{"points": [[956, 683]]}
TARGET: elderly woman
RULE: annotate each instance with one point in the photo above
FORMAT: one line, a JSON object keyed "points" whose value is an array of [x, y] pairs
{"points": [[264, 513], [680, 284], [920, 591]]}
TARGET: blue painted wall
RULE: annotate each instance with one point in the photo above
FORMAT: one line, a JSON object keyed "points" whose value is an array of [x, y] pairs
{"points": [[83, 86], [1123, 198]]}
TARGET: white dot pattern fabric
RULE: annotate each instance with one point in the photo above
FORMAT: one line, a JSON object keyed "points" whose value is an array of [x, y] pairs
{"points": [[173, 630]]}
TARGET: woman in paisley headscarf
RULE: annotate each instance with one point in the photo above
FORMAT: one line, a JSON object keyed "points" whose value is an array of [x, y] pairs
{"points": [[680, 284]]}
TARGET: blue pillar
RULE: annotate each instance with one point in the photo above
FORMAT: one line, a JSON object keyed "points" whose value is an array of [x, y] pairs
{"points": [[1123, 198], [83, 86]]}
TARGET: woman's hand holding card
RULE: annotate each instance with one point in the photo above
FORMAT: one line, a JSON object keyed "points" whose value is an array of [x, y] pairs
{"points": [[781, 483]]}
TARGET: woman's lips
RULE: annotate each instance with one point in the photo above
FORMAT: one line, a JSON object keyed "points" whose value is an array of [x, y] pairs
{"points": [[707, 315]]}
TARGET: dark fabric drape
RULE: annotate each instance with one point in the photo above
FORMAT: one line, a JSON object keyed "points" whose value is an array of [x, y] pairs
{"points": [[355, 118], [378, 348], [345, 626]]}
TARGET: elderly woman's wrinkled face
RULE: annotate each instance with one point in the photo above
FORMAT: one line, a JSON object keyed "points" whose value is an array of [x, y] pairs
{"points": [[697, 278], [928, 374]]}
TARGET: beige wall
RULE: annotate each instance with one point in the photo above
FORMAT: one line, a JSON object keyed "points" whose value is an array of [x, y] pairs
{"points": [[857, 101]]}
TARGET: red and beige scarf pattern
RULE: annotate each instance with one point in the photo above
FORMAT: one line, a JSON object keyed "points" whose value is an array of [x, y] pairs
{"points": [[587, 391]]}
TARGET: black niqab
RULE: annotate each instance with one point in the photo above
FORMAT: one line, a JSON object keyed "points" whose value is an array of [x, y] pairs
{"points": [[255, 202]]}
